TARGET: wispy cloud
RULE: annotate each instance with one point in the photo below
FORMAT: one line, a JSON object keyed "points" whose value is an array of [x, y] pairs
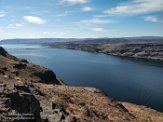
{"points": [[65, 13], [2, 14], [136, 7], [49, 33], [151, 19], [97, 21], [86, 9], [73, 2], [17, 25], [34, 19], [94, 24], [98, 29], [101, 16]]}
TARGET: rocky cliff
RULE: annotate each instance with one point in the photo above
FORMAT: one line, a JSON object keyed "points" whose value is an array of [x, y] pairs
{"points": [[30, 93]]}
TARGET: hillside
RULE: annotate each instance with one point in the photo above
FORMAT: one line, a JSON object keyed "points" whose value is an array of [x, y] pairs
{"points": [[141, 48]]}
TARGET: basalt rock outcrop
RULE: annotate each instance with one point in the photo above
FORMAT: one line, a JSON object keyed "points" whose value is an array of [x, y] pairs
{"points": [[30, 93], [2, 51]]}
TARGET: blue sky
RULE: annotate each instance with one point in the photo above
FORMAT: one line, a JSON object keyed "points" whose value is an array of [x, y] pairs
{"points": [[80, 18]]}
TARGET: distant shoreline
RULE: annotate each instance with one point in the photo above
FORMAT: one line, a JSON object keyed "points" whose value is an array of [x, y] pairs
{"points": [[137, 51]]}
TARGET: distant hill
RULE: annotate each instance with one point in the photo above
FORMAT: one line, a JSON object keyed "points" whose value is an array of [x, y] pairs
{"points": [[35, 41], [136, 47], [115, 40], [82, 41], [145, 37]]}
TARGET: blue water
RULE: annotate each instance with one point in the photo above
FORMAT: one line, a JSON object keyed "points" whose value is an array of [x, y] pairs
{"points": [[124, 79]]}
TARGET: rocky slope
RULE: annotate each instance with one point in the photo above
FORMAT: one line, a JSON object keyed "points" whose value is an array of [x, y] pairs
{"points": [[135, 49], [30, 93]]}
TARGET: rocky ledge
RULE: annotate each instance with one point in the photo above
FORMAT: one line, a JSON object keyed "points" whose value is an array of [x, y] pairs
{"points": [[30, 93]]}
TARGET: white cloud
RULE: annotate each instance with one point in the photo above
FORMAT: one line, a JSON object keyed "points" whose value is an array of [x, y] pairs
{"points": [[17, 25], [49, 33], [34, 19], [86, 9], [94, 24], [73, 2], [151, 19], [2, 14], [98, 29], [136, 7], [97, 21]]}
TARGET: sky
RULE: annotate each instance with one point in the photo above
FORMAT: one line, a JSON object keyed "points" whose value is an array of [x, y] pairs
{"points": [[80, 18]]}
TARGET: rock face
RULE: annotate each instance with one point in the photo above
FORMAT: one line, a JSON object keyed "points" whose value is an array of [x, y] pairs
{"points": [[30, 93], [2, 52]]}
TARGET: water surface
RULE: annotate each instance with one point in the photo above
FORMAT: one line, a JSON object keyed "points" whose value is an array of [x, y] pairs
{"points": [[124, 79]]}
